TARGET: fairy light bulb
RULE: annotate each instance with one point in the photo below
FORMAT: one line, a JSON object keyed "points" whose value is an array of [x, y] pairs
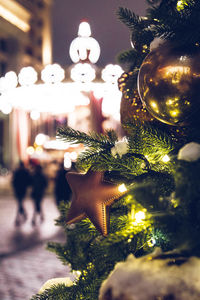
{"points": [[139, 216], [122, 188], [165, 158]]}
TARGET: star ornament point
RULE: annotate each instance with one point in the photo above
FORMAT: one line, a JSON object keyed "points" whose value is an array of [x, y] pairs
{"points": [[91, 198]]}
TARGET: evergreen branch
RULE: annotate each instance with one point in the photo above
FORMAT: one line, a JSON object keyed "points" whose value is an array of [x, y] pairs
{"points": [[153, 2], [88, 158], [127, 56], [179, 26], [58, 292], [111, 135], [93, 139], [149, 135], [128, 18], [128, 166]]}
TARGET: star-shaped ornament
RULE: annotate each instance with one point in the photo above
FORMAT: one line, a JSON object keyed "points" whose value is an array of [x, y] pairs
{"points": [[91, 198]]}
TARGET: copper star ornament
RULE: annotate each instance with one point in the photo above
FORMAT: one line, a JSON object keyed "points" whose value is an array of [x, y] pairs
{"points": [[91, 198]]}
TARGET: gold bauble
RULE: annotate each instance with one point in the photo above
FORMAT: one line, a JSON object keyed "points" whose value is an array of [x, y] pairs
{"points": [[131, 109], [169, 84]]}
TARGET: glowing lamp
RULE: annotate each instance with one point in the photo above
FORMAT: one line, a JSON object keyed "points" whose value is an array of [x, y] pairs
{"points": [[73, 156], [122, 188], [30, 150], [34, 115], [166, 158], [52, 74], [39, 150], [27, 76], [9, 81], [139, 216], [6, 108], [84, 47], [83, 73], [84, 29], [151, 242], [40, 139], [111, 73], [67, 161]]}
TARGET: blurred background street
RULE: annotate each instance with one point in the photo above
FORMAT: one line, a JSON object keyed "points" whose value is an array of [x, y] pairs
{"points": [[58, 68], [24, 262]]}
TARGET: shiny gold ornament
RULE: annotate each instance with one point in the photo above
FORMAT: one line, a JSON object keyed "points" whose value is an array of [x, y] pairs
{"points": [[131, 108], [169, 84], [91, 198]]}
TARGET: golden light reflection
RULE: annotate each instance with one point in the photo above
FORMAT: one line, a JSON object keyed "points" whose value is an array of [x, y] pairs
{"points": [[174, 113], [39, 150], [181, 5], [172, 101], [151, 242], [170, 70], [168, 85], [169, 102], [154, 106], [175, 72], [30, 150]]}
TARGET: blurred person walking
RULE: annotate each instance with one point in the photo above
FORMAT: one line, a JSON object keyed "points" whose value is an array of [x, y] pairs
{"points": [[39, 184], [62, 189], [21, 179]]}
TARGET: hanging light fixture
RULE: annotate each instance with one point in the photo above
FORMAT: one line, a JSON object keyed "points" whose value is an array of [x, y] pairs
{"points": [[51, 91]]}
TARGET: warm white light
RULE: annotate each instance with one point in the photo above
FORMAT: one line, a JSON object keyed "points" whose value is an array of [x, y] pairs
{"points": [[139, 216], [56, 144], [39, 150], [166, 158], [14, 19], [98, 93], [84, 47], [6, 108], [52, 74], [3, 84], [83, 73], [27, 76], [73, 156], [40, 139], [9, 81], [111, 73], [84, 29], [30, 150], [11, 78], [63, 97], [111, 102], [151, 242], [122, 188], [67, 162], [35, 115]]}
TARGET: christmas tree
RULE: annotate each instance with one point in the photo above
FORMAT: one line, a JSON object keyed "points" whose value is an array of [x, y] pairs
{"points": [[136, 206]]}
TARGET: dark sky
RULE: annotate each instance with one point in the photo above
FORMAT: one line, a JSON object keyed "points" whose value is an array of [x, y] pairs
{"points": [[112, 34]]}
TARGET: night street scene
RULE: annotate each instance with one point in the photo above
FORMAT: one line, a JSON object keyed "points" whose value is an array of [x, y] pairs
{"points": [[99, 150]]}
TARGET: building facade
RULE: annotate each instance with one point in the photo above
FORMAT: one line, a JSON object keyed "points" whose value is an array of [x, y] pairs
{"points": [[25, 40], [25, 34]]}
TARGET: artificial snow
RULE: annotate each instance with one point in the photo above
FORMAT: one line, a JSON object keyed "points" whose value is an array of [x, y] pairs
{"points": [[189, 152], [148, 278], [120, 148], [54, 281]]}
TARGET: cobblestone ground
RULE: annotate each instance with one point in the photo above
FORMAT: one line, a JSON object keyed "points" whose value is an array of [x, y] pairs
{"points": [[25, 264]]}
